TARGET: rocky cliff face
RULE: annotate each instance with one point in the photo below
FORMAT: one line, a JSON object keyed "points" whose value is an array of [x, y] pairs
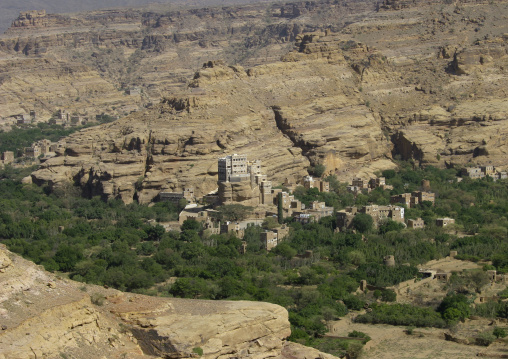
{"points": [[289, 115], [157, 50], [421, 80], [440, 87], [44, 316]]}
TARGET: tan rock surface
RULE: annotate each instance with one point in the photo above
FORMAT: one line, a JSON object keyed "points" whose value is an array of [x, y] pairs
{"points": [[297, 114], [64, 57], [45, 316]]}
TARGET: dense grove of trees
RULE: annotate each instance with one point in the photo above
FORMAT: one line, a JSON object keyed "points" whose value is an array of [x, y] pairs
{"points": [[110, 243]]}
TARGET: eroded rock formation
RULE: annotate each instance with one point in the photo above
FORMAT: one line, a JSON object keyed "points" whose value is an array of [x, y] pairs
{"points": [[288, 114]]}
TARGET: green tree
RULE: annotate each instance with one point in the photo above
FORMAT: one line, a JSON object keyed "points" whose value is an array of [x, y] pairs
{"points": [[285, 250], [318, 170], [67, 257], [234, 212], [390, 225], [191, 224], [363, 222], [454, 307], [154, 233]]}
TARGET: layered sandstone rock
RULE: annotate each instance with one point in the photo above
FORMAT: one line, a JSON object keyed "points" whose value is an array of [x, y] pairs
{"points": [[289, 115], [45, 316], [45, 85], [157, 50]]}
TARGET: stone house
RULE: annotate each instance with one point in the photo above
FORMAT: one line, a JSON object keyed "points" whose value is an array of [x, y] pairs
{"points": [[345, 217], [488, 170], [389, 261], [271, 238], [303, 218], [289, 203], [492, 274], [443, 222], [7, 157], [232, 166], [411, 200], [175, 197], [354, 189], [405, 199], [282, 231], [378, 213], [236, 174], [361, 183], [319, 210], [415, 223], [134, 91], [472, 172], [23, 120], [377, 182], [265, 192], [310, 182], [268, 240], [424, 196], [75, 121], [228, 227], [32, 151], [442, 276]]}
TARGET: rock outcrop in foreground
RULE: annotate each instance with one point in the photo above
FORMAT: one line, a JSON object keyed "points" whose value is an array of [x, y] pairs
{"points": [[45, 316]]}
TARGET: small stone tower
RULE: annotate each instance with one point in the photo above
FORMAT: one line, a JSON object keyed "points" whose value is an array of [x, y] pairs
{"points": [[426, 185], [389, 261]]}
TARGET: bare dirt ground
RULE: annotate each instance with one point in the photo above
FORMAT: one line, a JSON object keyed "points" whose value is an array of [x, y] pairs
{"points": [[428, 291], [450, 264], [425, 343]]}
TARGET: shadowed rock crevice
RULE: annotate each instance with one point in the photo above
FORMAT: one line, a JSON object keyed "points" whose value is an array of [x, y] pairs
{"points": [[154, 344]]}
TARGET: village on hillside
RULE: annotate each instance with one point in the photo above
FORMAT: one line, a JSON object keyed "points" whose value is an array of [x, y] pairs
{"points": [[242, 182]]}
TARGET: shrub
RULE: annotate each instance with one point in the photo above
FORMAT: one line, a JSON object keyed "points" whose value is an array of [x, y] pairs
{"points": [[357, 334], [97, 299], [499, 332], [354, 303], [485, 339], [402, 314], [354, 350], [198, 351], [388, 295]]}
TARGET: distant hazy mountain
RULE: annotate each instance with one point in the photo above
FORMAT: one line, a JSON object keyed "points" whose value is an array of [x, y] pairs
{"points": [[9, 9]]}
